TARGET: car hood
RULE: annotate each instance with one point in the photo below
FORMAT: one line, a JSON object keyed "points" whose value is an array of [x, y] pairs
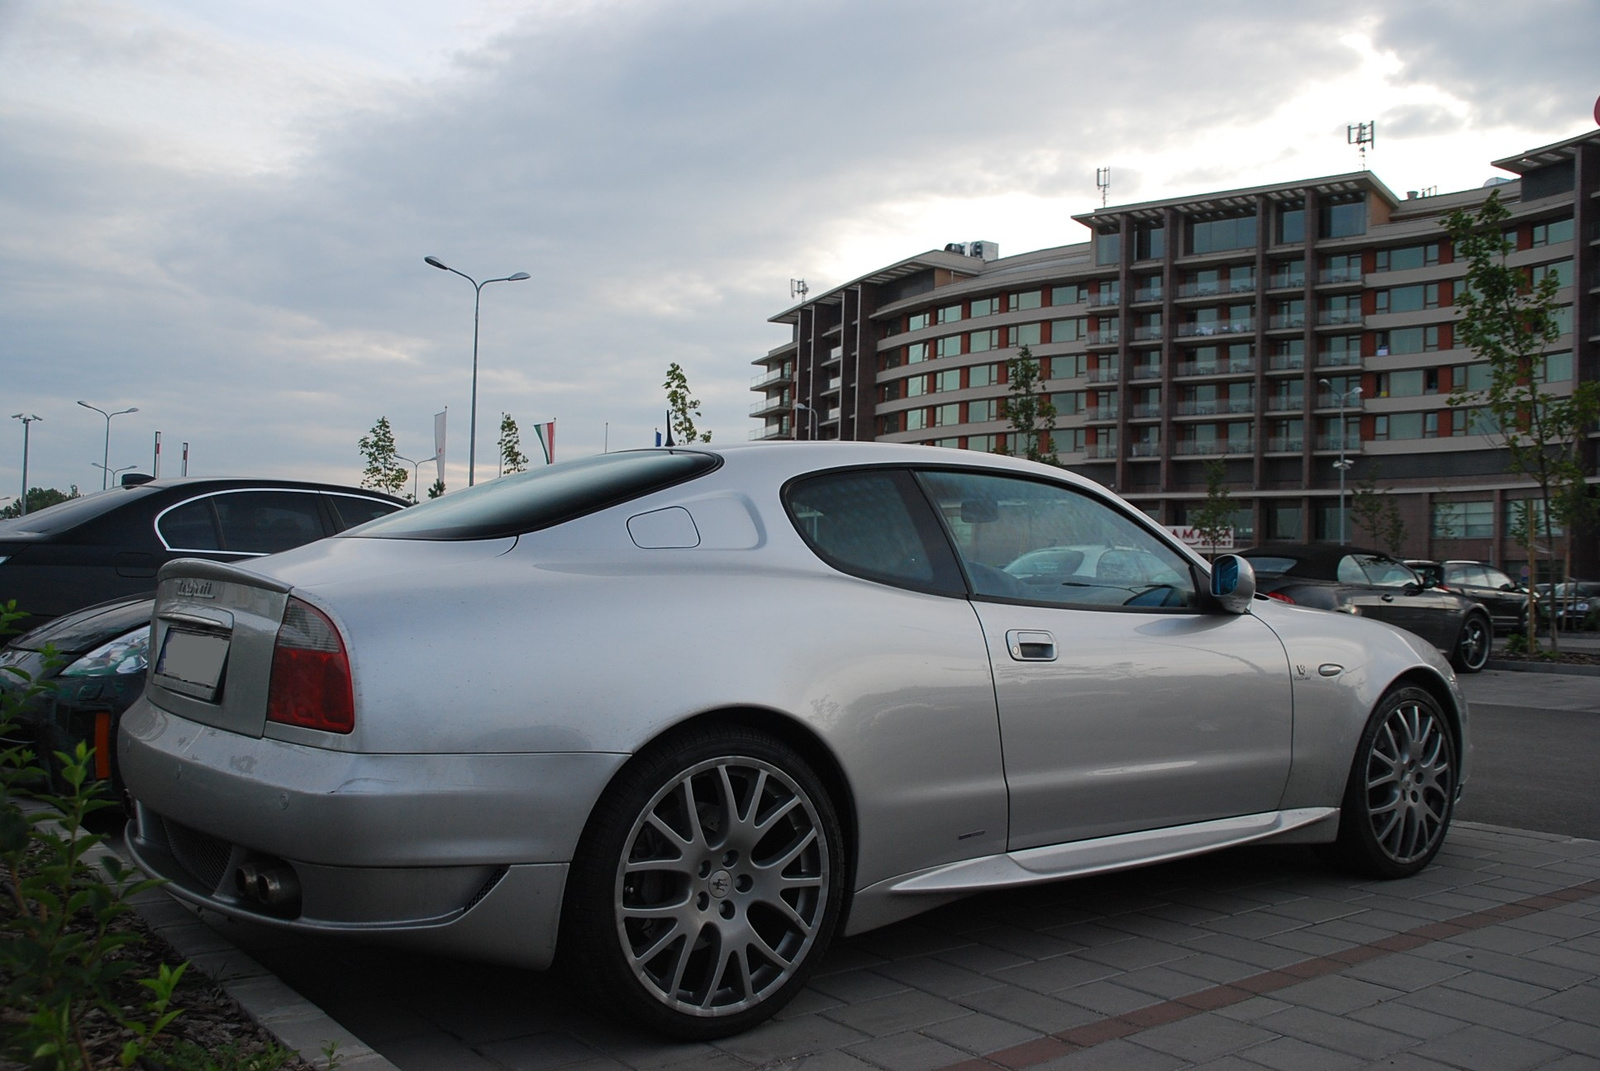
{"points": [[88, 628]]}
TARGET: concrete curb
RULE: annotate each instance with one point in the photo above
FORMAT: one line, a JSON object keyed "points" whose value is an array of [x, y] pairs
{"points": [[1517, 665]]}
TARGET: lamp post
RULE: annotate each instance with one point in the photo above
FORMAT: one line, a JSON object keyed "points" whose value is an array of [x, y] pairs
{"points": [[416, 467], [27, 419], [816, 430], [477, 298], [1353, 398], [112, 474], [105, 457]]}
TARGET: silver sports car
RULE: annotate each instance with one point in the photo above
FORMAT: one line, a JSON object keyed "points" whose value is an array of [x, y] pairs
{"points": [[673, 718]]}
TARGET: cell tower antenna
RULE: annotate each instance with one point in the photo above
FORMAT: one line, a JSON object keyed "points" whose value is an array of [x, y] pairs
{"points": [[1102, 182], [798, 289], [1361, 135]]}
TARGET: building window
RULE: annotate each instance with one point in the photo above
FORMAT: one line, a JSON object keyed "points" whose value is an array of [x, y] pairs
{"points": [[1069, 403], [983, 410], [1408, 340], [916, 386], [945, 416], [1407, 257], [983, 444], [947, 380], [918, 320], [1069, 366], [1407, 298], [949, 346], [985, 306], [1023, 335], [1028, 299], [1291, 222], [1149, 241], [916, 419], [1463, 520], [1551, 232], [1108, 247], [1561, 315], [1284, 524], [1561, 269], [1073, 330], [1071, 294], [1216, 235], [1521, 511], [1341, 268], [917, 352], [983, 341], [949, 314], [1556, 367], [1287, 273], [980, 375], [1340, 309], [1342, 215]]}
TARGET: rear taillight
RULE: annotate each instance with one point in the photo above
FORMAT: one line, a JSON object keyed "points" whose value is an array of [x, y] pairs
{"points": [[1280, 597], [310, 673]]}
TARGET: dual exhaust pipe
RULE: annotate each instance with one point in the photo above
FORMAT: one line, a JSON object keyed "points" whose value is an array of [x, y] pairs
{"points": [[270, 885]]}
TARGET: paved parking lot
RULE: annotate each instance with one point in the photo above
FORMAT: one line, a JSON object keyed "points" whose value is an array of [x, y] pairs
{"points": [[1258, 957]]}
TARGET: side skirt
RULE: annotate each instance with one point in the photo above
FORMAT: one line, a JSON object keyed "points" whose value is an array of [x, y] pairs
{"points": [[897, 898]]}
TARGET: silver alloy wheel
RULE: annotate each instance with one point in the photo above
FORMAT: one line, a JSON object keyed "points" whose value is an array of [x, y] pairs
{"points": [[723, 886], [1410, 782], [1473, 645]]}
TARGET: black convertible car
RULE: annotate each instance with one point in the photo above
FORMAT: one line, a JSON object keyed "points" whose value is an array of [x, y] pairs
{"points": [[1370, 583]]}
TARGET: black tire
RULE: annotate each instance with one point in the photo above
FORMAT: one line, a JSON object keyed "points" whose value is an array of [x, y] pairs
{"points": [[706, 885], [1473, 644], [1402, 788]]}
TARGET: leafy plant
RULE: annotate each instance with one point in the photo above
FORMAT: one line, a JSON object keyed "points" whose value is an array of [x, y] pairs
{"points": [[512, 459], [682, 408], [384, 471], [1029, 409]]}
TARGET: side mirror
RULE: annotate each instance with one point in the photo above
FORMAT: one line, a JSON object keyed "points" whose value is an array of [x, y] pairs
{"points": [[1233, 583]]}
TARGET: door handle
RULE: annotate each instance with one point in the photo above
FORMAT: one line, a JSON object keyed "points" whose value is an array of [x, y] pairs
{"points": [[1031, 646]]}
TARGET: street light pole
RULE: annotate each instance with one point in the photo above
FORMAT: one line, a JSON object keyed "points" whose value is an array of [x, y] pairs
{"points": [[26, 418], [1353, 396], [416, 467], [105, 458], [477, 297], [816, 430]]}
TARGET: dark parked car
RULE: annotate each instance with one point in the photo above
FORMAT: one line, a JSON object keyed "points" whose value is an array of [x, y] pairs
{"points": [[91, 660], [1572, 603], [1504, 598], [110, 543], [1369, 583]]}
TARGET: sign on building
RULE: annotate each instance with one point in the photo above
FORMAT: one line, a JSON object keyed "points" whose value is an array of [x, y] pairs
{"points": [[1191, 537]]}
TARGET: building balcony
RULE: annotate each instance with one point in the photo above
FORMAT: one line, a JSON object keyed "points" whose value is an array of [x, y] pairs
{"points": [[1292, 321], [1150, 370], [1339, 318], [1292, 404], [1102, 375], [1101, 414], [772, 376], [1338, 360], [1339, 276], [1147, 332], [1101, 451], [1219, 407], [1332, 444], [1217, 289], [1287, 281], [1100, 300], [777, 403], [1286, 362], [1217, 327], [1105, 338], [1214, 447], [1147, 294], [1145, 411], [1240, 367], [1144, 449], [1286, 445]]}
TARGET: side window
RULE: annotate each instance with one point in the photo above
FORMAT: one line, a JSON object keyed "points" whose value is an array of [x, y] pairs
{"points": [[191, 526], [351, 510], [264, 522], [875, 524], [1379, 572], [1043, 542], [1494, 578]]}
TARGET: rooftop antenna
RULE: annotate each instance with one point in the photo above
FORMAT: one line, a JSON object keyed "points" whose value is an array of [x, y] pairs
{"points": [[798, 289], [1361, 135], [1102, 182]]}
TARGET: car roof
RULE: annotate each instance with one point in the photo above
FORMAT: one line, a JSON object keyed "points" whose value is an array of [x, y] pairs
{"points": [[1314, 557]]}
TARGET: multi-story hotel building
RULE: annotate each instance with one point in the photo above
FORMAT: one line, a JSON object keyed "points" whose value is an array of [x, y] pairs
{"points": [[1247, 326]]}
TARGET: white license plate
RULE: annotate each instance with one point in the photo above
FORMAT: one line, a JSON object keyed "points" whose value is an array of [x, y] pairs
{"points": [[195, 659]]}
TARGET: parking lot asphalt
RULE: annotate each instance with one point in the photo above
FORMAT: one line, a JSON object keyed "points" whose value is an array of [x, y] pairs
{"points": [[1259, 957]]}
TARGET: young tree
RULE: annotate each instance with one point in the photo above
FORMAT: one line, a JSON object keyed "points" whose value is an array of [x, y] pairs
{"points": [[1214, 519], [1508, 320], [512, 459], [383, 472], [1375, 511], [436, 488], [1029, 410], [682, 408]]}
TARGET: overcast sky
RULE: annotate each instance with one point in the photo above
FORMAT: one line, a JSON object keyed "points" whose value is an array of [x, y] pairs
{"points": [[217, 210]]}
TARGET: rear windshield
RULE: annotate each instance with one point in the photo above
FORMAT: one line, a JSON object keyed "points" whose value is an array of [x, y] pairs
{"points": [[529, 501], [72, 512]]}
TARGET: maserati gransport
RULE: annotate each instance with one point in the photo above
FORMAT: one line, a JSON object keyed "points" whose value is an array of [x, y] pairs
{"points": [[672, 719]]}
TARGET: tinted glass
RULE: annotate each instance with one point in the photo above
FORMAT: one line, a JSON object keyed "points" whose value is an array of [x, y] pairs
{"points": [[265, 522], [1045, 542], [1371, 569], [873, 523], [351, 510], [73, 512], [529, 501], [191, 526]]}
